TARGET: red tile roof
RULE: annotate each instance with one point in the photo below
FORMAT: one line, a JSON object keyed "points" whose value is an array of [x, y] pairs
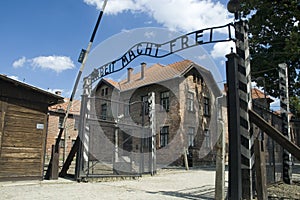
{"points": [[113, 83], [153, 74], [257, 94], [75, 108]]}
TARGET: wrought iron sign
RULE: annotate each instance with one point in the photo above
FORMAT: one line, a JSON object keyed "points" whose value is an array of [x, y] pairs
{"points": [[150, 49]]}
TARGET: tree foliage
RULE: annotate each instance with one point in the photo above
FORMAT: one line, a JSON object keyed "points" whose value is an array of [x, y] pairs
{"points": [[295, 106], [274, 37]]}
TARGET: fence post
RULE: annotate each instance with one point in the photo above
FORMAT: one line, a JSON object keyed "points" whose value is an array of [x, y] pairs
{"points": [[233, 104], [245, 99], [284, 107], [260, 167]]}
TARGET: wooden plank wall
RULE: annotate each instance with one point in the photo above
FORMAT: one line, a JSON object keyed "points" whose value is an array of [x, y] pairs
{"points": [[22, 149]]}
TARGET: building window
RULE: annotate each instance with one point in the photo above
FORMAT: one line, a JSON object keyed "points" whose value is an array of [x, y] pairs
{"points": [[61, 143], [104, 91], [165, 101], [190, 101], [60, 122], [145, 105], [164, 136], [191, 136], [146, 142], [207, 143], [103, 111], [206, 106], [197, 79]]}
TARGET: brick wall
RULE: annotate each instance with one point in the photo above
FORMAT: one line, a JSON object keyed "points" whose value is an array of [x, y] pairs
{"points": [[178, 118], [53, 130]]}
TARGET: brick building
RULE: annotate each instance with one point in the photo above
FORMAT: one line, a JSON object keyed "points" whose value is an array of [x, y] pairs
{"points": [[56, 115], [185, 112]]}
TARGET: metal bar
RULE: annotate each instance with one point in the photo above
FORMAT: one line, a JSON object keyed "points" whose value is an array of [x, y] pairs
{"points": [[285, 110], [70, 158], [244, 85], [235, 176], [211, 35], [78, 79], [229, 32], [110, 175], [82, 123], [274, 134], [156, 45]]}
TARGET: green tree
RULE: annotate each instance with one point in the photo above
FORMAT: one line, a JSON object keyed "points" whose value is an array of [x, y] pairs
{"points": [[274, 37], [295, 106]]}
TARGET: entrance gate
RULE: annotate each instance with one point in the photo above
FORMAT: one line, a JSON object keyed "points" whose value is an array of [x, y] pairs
{"points": [[88, 160], [85, 162], [241, 159]]}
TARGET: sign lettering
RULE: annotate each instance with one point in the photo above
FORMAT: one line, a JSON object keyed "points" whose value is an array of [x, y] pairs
{"points": [[159, 50]]}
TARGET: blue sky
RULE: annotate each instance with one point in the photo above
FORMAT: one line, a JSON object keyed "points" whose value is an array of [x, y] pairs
{"points": [[41, 40]]}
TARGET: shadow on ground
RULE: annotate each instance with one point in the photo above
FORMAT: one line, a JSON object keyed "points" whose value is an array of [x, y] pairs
{"points": [[205, 192]]}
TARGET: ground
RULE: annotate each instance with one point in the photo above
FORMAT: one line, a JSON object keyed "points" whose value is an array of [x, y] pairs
{"points": [[167, 184], [284, 191]]}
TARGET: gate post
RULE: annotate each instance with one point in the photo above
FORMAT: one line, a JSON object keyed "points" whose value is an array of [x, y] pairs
{"points": [[244, 85], [285, 109], [82, 157], [82, 123], [152, 116], [233, 104]]}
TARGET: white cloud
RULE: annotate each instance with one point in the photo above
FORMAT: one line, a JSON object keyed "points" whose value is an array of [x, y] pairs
{"points": [[150, 34], [125, 31], [56, 63], [179, 15], [148, 22], [253, 84], [14, 77], [202, 57], [221, 49], [54, 90], [115, 6], [19, 63], [276, 104]]}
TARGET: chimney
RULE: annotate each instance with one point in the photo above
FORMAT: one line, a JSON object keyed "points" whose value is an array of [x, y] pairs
{"points": [[129, 72], [58, 93], [143, 67]]}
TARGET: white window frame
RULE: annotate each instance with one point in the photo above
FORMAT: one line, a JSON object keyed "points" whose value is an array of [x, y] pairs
{"points": [[190, 101], [164, 136], [191, 136], [207, 139]]}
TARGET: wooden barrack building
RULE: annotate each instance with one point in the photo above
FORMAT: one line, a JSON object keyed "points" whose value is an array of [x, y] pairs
{"points": [[23, 129]]}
